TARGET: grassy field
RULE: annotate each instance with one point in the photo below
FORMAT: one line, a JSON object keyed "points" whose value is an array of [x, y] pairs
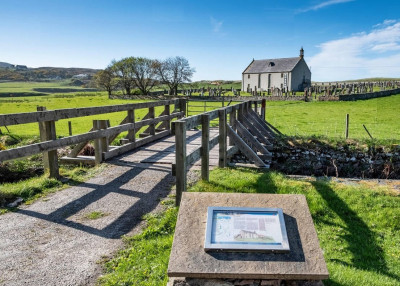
{"points": [[13, 89], [60, 101], [357, 226], [381, 116]]}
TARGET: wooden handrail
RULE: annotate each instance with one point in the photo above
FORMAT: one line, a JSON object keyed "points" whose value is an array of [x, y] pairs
{"points": [[53, 115], [46, 146]]}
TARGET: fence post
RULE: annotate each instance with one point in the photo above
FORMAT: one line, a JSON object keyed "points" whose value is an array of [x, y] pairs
{"points": [[182, 106], [69, 128], [347, 125], [180, 145], [205, 146], [256, 106], [131, 119], [47, 131], [222, 138], [232, 119], [167, 111], [152, 127], [263, 104], [100, 144]]}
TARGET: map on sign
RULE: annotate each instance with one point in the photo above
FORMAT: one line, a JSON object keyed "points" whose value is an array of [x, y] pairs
{"points": [[246, 228]]}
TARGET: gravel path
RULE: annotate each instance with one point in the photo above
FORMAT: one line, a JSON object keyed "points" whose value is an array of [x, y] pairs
{"points": [[51, 242]]}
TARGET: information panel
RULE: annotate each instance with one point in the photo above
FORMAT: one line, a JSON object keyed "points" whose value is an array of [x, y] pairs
{"points": [[247, 229]]}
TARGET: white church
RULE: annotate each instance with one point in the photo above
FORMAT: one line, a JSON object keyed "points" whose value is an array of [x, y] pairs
{"points": [[290, 74]]}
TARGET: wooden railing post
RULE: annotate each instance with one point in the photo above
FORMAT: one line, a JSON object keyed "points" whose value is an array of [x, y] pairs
{"points": [[182, 106], [232, 119], [47, 131], [222, 138], [167, 111], [263, 104], [256, 106], [152, 127], [180, 157], [100, 144], [131, 119], [205, 146]]}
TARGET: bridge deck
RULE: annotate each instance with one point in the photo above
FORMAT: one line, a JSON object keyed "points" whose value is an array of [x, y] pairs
{"points": [[163, 151]]}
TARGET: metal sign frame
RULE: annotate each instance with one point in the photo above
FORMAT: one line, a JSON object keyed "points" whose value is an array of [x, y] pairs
{"points": [[246, 229]]}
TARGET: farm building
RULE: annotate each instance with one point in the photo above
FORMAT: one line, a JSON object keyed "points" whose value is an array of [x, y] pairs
{"points": [[292, 74]]}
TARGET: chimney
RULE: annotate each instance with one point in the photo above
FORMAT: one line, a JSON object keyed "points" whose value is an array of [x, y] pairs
{"points": [[301, 53]]}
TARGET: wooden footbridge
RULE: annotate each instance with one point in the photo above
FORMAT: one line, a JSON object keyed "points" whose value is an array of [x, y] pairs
{"points": [[207, 139]]}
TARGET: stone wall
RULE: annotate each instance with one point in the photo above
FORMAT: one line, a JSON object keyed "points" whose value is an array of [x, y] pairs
{"points": [[352, 160], [358, 96]]}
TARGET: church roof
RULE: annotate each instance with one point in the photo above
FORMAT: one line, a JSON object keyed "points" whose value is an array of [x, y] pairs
{"points": [[272, 65]]}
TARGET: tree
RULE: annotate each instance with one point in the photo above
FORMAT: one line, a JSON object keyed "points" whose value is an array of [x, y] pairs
{"points": [[105, 79], [123, 70], [135, 72], [173, 72], [144, 74]]}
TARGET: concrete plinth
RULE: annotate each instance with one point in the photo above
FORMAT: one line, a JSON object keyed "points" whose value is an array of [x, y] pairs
{"points": [[188, 258]]}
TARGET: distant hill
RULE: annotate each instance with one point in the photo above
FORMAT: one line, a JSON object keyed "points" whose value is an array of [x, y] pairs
{"points": [[10, 72], [6, 65]]}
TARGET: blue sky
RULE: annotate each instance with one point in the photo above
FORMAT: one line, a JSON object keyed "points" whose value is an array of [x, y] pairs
{"points": [[342, 39]]}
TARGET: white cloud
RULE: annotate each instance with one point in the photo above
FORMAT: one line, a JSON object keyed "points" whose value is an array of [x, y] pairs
{"points": [[367, 54], [216, 25], [323, 5]]}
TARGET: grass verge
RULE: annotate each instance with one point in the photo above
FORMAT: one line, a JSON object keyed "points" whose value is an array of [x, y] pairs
{"points": [[358, 229], [145, 259], [40, 186]]}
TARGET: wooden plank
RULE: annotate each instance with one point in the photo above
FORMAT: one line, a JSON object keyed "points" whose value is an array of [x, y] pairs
{"points": [[247, 136], [130, 146], [245, 149], [205, 146], [84, 160], [193, 157], [232, 150], [29, 117], [180, 155], [264, 130], [256, 132], [259, 122], [213, 142]]}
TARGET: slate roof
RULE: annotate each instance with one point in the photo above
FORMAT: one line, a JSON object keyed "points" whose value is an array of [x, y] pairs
{"points": [[278, 65]]}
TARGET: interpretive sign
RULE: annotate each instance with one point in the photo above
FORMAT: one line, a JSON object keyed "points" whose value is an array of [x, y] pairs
{"points": [[246, 229]]}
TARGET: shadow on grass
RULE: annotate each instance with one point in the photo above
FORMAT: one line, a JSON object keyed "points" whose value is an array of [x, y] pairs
{"points": [[367, 254]]}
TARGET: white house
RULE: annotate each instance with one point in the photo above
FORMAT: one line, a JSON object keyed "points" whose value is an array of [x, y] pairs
{"points": [[290, 73]]}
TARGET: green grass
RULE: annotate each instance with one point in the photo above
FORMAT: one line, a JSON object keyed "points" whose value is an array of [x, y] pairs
{"points": [[95, 215], [145, 259], [40, 186], [380, 116], [357, 226], [12, 89], [60, 101]]}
